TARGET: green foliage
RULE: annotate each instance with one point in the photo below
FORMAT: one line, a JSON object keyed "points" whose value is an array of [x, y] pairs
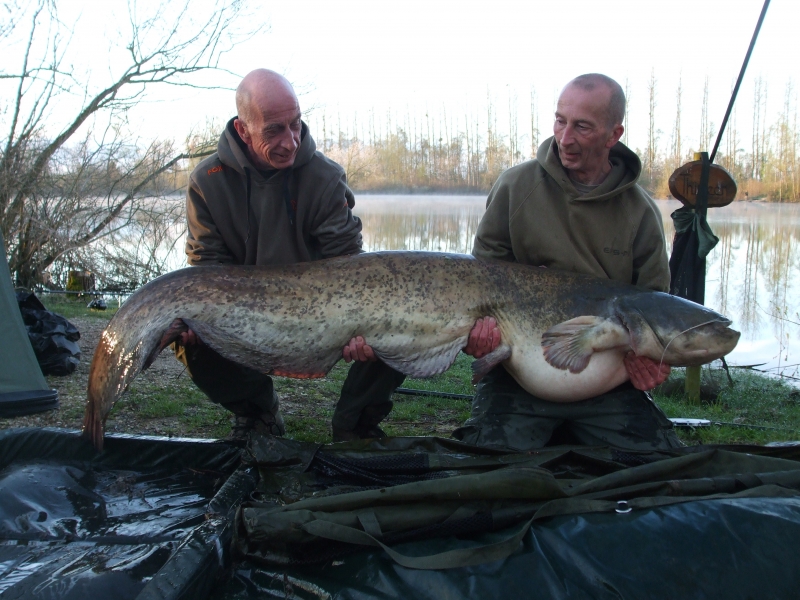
{"points": [[70, 306], [432, 415], [308, 428], [456, 380], [175, 400], [307, 405], [209, 418], [758, 409]]}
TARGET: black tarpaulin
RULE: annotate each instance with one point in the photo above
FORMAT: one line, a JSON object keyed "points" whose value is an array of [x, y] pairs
{"points": [[732, 549], [319, 502], [152, 519], [78, 524]]}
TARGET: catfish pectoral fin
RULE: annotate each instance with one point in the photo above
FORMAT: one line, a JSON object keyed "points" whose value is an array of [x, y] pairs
{"points": [[570, 345], [431, 361], [483, 365]]}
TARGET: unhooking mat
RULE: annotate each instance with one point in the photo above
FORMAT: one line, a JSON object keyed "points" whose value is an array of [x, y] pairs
{"points": [[144, 519], [153, 518], [444, 519]]}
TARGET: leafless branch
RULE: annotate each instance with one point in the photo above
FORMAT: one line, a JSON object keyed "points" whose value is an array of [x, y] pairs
{"points": [[58, 195]]}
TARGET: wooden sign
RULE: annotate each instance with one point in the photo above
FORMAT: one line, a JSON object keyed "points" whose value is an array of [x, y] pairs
{"points": [[685, 181]]}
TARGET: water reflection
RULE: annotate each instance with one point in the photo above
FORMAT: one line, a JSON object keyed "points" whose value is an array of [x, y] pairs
{"points": [[436, 223], [752, 275]]}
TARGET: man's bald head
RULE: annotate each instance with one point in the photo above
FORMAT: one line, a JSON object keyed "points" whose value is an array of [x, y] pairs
{"points": [[616, 100], [262, 91], [269, 119]]}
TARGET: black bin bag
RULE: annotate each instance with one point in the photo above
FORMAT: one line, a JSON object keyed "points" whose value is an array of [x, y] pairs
{"points": [[52, 336]]}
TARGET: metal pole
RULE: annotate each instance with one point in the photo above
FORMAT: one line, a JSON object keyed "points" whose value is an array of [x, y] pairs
{"points": [[692, 384]]}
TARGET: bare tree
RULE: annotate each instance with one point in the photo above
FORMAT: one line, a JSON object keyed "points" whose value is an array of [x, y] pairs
{"points": [[705, 127], [64, 183], [356, 158], [730, 159], [677, 148], [534, 124], [652, 169], [759, 137], [627, 111]]}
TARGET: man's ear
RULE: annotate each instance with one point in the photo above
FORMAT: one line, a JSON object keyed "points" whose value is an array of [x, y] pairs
{"points": [[616, 135], [240, 128]]}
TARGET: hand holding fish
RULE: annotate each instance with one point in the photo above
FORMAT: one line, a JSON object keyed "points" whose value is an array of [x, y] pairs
{"points": [[189, 338], [483, 338], [358, 349], [644, 372]]}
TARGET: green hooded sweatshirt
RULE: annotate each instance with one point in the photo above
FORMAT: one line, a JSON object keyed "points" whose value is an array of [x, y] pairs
{"points": [[238, 214], [534, 215]]}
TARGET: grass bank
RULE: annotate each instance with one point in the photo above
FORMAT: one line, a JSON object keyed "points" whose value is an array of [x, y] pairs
{"points": [[753, 409]]}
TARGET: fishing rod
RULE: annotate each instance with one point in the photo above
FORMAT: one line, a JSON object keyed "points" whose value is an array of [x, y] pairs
{"points": [[415, 392], [739, 80], [700, 423]]}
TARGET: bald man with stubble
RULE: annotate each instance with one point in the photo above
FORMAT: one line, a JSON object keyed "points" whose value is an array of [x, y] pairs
{"points": [[268, 197]]}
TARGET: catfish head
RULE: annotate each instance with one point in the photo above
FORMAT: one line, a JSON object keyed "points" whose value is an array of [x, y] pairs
{"points": [[661, 327], [674, 330]]}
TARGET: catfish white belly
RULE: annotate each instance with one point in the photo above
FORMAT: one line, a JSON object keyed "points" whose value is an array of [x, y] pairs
{"points": [[531, 370]]}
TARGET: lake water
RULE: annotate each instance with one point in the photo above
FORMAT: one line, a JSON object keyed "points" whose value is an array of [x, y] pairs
{"points": [[752, 277]]}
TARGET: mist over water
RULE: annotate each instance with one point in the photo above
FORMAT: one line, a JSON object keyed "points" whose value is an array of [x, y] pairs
{"points": [[752, 276]]}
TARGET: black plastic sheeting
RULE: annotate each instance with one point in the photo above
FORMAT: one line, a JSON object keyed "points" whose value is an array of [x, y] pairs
{"points": [[52, 336], [696, 522], [743, 548], [144, 519], [151, 518]]}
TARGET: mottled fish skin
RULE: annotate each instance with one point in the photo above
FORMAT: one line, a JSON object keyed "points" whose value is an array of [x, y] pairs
{"points": [[415, 309]]}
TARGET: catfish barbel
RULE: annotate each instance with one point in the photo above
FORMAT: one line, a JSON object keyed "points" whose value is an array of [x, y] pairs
{"points": [[564, 335]]}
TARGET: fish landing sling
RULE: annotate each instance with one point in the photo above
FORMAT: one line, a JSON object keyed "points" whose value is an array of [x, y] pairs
{"points": [[321, 503]]}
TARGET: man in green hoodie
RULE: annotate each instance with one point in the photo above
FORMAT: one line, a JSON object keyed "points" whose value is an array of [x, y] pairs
{"points": [[576, 207], [267, 197]]}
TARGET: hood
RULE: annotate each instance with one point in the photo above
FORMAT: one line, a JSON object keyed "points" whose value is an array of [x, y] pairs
{"points": [[625, 171], [232, 150]]}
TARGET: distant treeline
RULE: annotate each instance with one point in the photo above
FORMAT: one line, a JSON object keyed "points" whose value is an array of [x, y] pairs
{"points": [[445, 153]]}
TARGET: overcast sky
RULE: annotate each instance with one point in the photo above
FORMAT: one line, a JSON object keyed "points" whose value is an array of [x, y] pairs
{"points": [[348, 57]]}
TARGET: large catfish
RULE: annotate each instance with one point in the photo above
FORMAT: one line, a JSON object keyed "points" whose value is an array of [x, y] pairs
{"points": [[563, 335]]}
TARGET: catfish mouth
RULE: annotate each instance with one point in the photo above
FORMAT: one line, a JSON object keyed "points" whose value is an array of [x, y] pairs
{"points": [[665, 340], [714, 340], [722, 324]]}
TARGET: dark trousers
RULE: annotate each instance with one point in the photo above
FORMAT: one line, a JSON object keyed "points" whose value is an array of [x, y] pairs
{"points": [[241, 390], [366, 395], [506, 416]]}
